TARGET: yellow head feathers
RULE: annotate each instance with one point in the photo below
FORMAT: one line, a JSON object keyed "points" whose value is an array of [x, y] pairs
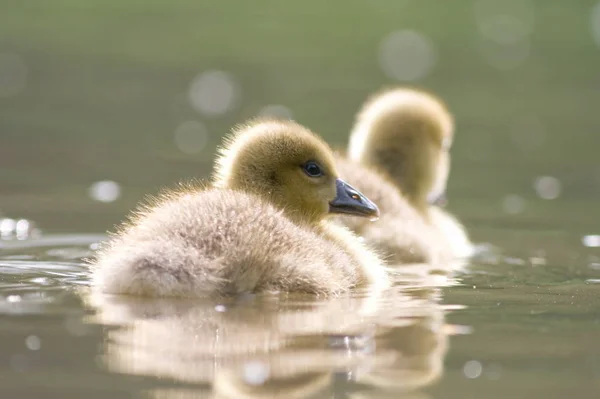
{"points": [[290, 166]]}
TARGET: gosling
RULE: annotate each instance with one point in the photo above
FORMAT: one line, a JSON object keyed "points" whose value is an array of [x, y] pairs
{"points": [[404, 136], [261, 226]]}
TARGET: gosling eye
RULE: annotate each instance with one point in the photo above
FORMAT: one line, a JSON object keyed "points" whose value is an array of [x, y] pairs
{"points": [[312, 169]]}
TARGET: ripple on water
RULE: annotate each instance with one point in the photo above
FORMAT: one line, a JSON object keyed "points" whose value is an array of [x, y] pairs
{"points": [[36, 273]]}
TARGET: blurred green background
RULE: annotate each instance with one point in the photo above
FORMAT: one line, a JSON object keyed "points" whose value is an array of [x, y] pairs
{"points": [[139, 93]]}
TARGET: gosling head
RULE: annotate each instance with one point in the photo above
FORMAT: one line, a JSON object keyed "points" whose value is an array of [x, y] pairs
{"points": [[292, 168], [406, 134]]}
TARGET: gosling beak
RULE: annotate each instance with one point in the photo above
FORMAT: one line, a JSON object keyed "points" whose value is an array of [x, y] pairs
{"points": [[350, 201], [438, 200]]}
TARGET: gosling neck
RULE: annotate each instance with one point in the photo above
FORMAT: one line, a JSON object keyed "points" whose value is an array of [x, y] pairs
{"points": [[410, 187], [302, 218], [417, 200], [278, 199]]}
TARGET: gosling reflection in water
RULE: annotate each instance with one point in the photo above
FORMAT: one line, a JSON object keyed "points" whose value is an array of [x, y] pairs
{"points": [[272, 346]]}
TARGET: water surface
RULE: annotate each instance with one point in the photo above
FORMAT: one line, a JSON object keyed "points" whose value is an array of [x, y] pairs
{"points": [[520, 325]]}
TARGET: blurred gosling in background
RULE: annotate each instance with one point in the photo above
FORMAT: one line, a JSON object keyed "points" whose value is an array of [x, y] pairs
{"points": [[401, 138]]}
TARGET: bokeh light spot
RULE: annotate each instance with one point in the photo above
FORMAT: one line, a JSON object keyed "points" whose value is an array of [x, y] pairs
{"points": [[513, 204], [407, 55], [256, 373], [547, 187], [105, 191], [7, 227], [472, 369], [213, 93], [220, 308], [33, 343], [591, 241]]}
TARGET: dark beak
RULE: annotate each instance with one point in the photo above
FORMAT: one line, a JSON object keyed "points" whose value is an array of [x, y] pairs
{"points": [[350, 201], [440, 200]]}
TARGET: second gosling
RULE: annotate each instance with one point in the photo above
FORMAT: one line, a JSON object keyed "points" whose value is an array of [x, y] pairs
{"points": [[405, 136], [262, 226]]}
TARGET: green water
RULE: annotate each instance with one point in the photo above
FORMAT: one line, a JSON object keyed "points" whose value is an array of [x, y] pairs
{"points": [[94, 92]]}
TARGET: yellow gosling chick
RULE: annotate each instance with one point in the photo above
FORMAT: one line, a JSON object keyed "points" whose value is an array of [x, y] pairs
{"points": [[405, 135], [262, 226]]}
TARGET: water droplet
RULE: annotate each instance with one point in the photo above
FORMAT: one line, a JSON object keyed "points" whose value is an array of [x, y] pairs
{"points": [[547, 187], [407, 55], [13, 74], [472, 369], [513, 204], [255, 373], [591, 241], [13, 298], [191, 137], [105, 191], [33, 343], [277, 111], [213, 93]]}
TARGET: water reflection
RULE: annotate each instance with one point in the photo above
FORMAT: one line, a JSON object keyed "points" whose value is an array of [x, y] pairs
{"points": [[373, 344]]}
